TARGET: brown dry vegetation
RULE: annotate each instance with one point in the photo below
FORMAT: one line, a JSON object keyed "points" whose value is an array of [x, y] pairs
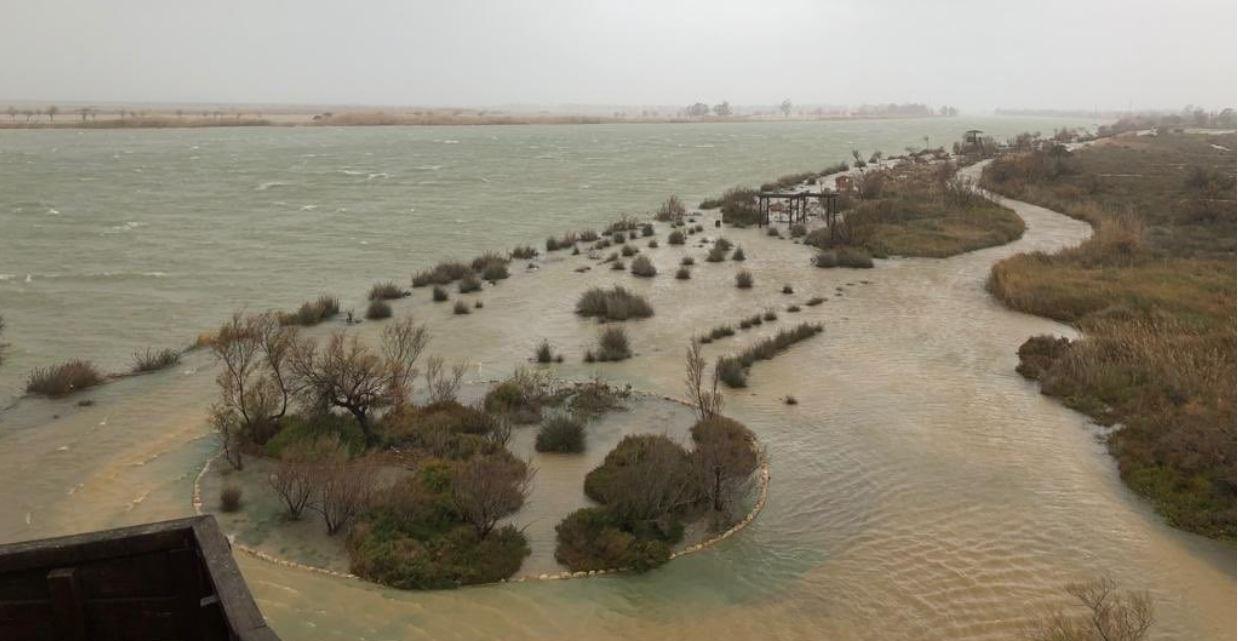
{"points": [[1153, 292]]}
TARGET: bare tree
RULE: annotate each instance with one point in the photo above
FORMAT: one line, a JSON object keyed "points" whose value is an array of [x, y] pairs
{"points": [[254, 384], [293, 479], [1102, 614], [708, 402], [51, 113], [227, 423], [443, 385], [342, 487], [349, 375], [484, 489], [403, 343], [785, 107], [725, 458]]}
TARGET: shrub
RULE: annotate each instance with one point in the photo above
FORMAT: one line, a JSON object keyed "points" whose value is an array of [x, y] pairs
{"points": [[524, 252], [544, 354], [769, 316], [814, 301], [552, 244], [418, 534], [790, 400], [618, 266], [646, 230], [312, 312], [480, 263], [730, 371], [615, 304], [743, 279], [439, 294], [675, 238], [721, 331], [385, 291], [646, 482], [683, 273], [495, 272], [716, 254], [561, 434], [588, 236], [152, 360], [687, 261], [593, 539], [653, 243], [230, 498], [613, 345], [443, 273], [843, 257], [786, 289], [378, 310], [469, 284], [671, 210], [773, 232], [643, 267], [798, 230], [520, 397], [738, 255], [460, 308], [302, 431], [793, 308], [618, 238], [63, 379], [628, 251]]}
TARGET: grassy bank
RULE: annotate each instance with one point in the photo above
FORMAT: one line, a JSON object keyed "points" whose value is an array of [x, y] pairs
{"points": [[1153, 293], [918, 209]]}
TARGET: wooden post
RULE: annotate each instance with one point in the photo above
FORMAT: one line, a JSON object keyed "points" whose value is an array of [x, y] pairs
{"points": [[67, 603]]}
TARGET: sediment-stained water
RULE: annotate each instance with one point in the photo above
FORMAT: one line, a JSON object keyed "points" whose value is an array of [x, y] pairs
{"points": [[920, 489]]}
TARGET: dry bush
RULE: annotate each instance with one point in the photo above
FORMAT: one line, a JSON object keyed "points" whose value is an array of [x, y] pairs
{"points": [[708, 402], [442, 384], [63, 379], [1100, 613], [485, 489], [614, 304], [152, 360], [342, 487]]}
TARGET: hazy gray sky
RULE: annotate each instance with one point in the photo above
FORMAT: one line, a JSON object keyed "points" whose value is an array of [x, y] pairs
{"points": [[974, 54]]}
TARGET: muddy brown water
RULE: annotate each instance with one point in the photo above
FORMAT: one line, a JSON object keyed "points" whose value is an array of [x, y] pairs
{"points": [[920, 489]]}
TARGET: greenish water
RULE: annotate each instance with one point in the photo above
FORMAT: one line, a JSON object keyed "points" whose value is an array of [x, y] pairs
{"points": [[115, 241]]}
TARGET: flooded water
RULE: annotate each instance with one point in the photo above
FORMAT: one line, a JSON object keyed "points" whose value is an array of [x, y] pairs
{"points": [[920, 489]]}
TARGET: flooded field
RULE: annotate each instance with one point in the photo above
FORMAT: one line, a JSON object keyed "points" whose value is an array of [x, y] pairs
{"points": [[920, 489]]}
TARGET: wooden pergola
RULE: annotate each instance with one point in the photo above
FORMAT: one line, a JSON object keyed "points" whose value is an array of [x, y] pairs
{"points": [[798, 204]]}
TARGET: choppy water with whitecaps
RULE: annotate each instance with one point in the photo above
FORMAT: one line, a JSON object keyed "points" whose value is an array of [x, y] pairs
{"points": [[921, 489]]}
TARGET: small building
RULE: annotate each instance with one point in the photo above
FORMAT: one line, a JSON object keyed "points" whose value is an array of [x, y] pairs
{"points": [[843, 183]]}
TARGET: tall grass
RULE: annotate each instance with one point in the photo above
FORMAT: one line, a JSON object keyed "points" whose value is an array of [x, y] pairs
{"points": [[63, 379]]}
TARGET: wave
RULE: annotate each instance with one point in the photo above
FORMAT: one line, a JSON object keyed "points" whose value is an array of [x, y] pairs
{"points": [[31, 277], [124, 227], [267, 185]]}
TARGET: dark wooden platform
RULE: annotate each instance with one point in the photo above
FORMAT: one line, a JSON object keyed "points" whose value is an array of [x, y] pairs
{"points": [[174, 580]]}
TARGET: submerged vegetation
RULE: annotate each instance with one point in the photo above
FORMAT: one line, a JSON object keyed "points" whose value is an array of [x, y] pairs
{"points": [[60, 380], [616, 304], [733, 370], [313, 312], [1153, 292]]}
